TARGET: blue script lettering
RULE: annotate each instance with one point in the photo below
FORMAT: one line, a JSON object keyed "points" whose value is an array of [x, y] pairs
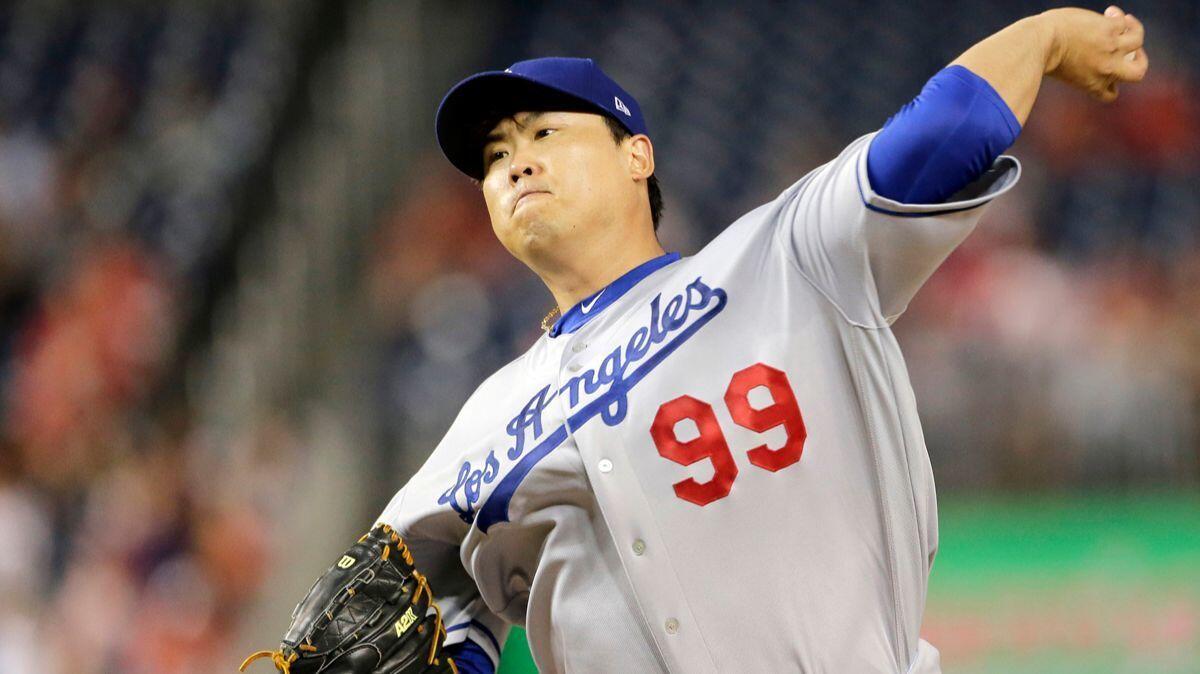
{"points": [[530, 415], [470, 482]]}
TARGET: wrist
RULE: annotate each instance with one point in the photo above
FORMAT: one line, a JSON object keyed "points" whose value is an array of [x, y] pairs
{"points": [[1044, 27]]}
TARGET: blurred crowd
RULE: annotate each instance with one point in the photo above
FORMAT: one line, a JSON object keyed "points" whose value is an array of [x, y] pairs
{"points": [[125, 130], [1060, 345]]}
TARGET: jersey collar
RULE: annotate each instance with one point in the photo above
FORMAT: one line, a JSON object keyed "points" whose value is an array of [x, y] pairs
{"points": [[593, 304]]}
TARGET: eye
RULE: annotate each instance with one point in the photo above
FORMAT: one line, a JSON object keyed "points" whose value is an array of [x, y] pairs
{"points": [[491, 158], [542, 133]]}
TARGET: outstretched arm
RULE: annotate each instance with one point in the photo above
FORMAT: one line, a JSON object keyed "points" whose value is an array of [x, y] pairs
{"points": [[869, 230], [1093, 52], [968, 113]]}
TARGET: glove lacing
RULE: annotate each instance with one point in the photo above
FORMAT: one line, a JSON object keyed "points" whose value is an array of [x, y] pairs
{"points": [[282, 662]]}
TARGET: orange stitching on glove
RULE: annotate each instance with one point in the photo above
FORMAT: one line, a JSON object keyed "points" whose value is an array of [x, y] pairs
{"points": [[282, 663]]}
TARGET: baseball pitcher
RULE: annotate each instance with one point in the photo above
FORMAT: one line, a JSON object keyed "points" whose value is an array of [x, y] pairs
{"points": [[709, 463]]}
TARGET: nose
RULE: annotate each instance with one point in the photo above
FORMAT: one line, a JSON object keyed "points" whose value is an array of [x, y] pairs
{"points": [[521, 165], [516, 172]]}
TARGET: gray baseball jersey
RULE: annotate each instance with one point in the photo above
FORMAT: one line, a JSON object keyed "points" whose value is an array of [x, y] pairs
{"points": [[722, 470]]}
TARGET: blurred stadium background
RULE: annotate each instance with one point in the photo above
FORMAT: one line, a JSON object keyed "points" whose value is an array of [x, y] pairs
{"points": [[238, 282]]}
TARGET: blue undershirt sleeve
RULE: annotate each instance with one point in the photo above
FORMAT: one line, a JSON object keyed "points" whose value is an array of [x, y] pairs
{"points": [[942, 140], [470, 658]]}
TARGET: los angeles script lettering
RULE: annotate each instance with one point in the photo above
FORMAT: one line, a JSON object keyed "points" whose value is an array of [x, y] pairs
{"points": [[612, 380]]}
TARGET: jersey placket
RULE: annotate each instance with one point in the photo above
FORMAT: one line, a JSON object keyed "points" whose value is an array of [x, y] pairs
{"points": [[630, 522]]}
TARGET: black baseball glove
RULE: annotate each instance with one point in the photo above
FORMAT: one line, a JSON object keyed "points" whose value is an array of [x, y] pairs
{"points": [[371, 613]]}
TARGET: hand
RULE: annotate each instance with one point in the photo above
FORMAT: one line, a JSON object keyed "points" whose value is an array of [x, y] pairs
{"points": [[1095, 52]]}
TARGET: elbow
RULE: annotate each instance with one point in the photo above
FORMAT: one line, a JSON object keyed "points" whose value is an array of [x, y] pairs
{"points": [[942, 141]]}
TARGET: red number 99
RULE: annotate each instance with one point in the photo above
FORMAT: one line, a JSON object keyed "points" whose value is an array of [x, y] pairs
{"points": [[711, 443]]}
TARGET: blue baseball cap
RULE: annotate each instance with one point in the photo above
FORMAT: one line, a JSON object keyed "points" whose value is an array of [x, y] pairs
{"points": [[554, 83]]}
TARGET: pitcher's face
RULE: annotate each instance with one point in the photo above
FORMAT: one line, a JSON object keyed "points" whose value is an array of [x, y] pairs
{"points": [[551, 178]]}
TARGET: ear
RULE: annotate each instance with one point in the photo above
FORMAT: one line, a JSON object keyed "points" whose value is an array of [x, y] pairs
{"points": [[641, 157]]}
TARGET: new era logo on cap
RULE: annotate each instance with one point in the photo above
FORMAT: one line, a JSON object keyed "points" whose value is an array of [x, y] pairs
{"points": [[621, 106]]}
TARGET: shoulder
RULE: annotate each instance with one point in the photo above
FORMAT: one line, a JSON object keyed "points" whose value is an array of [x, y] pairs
{"points": [[812, 187], [514, 376]]}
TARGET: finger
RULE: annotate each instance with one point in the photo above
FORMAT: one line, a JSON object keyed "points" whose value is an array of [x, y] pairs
{"points": [[1113, 10], [1133, 37], [1115, 28], [1108, 94], [1133, 69]]}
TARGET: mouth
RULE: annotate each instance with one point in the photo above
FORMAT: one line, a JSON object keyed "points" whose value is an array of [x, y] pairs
{"points": [[522, 198]]}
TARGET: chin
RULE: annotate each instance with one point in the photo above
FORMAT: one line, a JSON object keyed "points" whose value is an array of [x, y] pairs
{"points": [[535, 239]]}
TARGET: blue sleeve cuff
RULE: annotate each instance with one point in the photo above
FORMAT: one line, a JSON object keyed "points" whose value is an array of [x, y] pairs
{"points": [[942, 140]]}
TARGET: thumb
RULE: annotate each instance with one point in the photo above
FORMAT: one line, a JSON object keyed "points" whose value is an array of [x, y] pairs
{"points": [[1114, 11]]}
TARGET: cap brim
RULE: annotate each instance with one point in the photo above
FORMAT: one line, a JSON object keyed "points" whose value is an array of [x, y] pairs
{"points": [[482, 100]]}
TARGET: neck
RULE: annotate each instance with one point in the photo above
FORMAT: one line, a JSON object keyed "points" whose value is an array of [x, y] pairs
{"points": [[573, 282]]}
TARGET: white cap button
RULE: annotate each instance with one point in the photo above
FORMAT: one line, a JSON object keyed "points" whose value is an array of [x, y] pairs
{"points": [[672, 626], [604, 465], [639, 547]]}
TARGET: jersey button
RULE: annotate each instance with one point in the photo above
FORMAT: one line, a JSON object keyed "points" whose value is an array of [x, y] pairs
{"points": [[574, 367], [672, 625], [578, 347], [605, 466], [639, 547]]}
